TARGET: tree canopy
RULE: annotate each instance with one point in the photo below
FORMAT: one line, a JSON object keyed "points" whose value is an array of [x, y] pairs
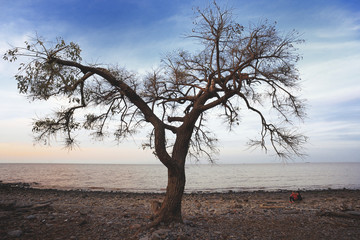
{"points": [[239, 69]]}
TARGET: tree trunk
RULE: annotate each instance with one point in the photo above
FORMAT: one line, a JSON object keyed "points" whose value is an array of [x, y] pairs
{"points": [[170, 210]]}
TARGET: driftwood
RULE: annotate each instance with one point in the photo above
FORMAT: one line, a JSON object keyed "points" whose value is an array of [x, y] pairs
{"points": [[270, 206], [347, 214], [19, 207]]}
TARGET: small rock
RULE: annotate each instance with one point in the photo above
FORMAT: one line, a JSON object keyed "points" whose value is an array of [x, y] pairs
{"points": [[135, 226], [163, 231], [15, 233], [155, 236], [83, 212], [83, 222], [190, 223], [160, 234], [182, 237], [31, 217]]}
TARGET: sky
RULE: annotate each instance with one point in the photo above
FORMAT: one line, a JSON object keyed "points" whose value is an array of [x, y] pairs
{"points": [[136, 34]]}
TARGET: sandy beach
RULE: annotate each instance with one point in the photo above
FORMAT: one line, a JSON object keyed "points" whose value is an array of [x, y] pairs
{"points": [[27, 213]]}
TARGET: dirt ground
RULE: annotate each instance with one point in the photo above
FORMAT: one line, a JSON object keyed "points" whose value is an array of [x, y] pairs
{"points": [[27, 213]]}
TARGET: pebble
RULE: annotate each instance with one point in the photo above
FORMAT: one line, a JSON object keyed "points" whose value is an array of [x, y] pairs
{"points": [[135, 226], [155, 236], [144, 238], [31, 217], [83, 222], [15, 233], [160, 234]]}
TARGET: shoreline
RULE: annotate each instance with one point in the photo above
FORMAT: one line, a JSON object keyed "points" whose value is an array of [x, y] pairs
{"points": [[30, 213], [33, 185]]}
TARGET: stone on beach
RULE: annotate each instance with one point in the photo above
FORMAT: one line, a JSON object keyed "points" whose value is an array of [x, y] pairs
{"points": [[15, 233]]}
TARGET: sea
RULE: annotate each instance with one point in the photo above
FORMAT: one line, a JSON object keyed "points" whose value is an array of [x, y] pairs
{"points": [[199, 177]]}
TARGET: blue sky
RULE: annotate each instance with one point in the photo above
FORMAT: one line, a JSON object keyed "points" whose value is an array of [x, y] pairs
{"points": [[136, 34]]}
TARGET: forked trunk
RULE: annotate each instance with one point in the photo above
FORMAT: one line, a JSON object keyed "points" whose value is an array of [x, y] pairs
{"points": [[170, 210]]}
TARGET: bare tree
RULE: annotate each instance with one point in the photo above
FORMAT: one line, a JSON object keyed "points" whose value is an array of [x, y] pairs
{"points": [[240, 68]]}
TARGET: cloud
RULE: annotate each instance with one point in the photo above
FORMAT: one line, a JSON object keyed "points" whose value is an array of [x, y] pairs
{"points": [[341, 23], [331, 71]]}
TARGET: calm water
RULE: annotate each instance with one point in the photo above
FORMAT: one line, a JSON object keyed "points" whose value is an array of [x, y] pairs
{"points": [[209, 178]]}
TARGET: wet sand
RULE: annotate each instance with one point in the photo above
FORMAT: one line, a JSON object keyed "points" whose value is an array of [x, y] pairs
{"points": [[27, 213]]}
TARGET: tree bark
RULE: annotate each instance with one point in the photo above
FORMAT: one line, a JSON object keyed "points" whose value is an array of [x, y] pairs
{"points": [[170, 210]]}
